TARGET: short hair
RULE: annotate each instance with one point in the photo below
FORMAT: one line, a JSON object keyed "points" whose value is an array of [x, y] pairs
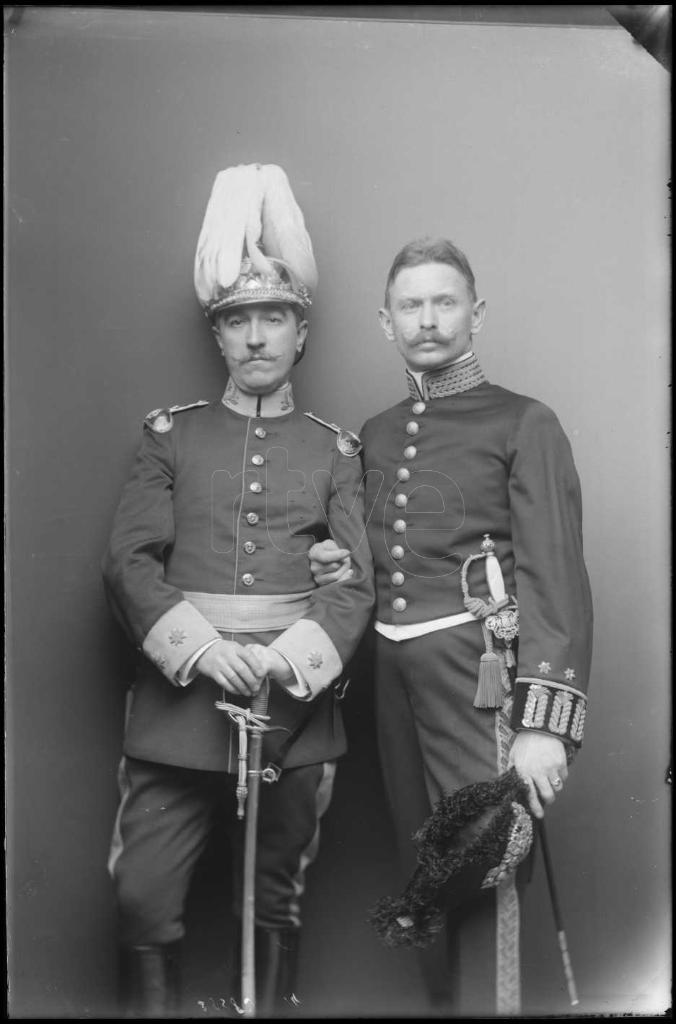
{"points": [[430, 250]]}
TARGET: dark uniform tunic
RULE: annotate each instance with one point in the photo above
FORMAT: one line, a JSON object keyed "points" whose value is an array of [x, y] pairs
{"points": [[459, 459], [210, 540]]}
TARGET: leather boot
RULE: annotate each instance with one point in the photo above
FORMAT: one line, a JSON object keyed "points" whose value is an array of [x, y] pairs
{"points": [[276, 971], [150, 981]]}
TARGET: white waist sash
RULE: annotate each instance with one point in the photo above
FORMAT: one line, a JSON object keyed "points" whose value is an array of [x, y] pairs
{"points": [[251, 613], [412, 629]]}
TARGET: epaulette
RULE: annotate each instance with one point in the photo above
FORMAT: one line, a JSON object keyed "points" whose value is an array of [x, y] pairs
{"points": [[162, 420], [347, 443]]}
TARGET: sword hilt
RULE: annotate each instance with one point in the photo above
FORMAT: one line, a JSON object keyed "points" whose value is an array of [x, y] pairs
{"points": [[252, 719], [259, 704]]}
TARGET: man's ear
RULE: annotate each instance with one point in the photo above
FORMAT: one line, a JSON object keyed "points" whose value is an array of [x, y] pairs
{"points": [[385, 318], [301, 337], [478, 315], [215, 330]]}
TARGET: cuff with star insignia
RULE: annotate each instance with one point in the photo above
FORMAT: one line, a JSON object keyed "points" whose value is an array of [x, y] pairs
{"points": [[309, 647], [176, 636]]}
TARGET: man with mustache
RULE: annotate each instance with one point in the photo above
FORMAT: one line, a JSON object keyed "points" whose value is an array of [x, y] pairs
{"points": [[208, 572], [483, 607]]}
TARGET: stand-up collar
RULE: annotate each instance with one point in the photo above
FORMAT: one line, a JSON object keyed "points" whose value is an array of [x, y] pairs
{"points": [[463, 375], [277, 403]]}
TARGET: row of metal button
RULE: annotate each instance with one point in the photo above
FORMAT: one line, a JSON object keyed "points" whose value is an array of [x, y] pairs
{"points": [[253, 518], [399, 604]]}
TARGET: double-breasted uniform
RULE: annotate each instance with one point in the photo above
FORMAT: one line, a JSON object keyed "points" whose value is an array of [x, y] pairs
{"points": [[210, 541], [458, 459]]}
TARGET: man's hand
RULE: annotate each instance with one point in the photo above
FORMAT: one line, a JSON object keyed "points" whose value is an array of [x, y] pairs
{"points": [[540, 760], [234, 667], [329, 563], [274, 664]]}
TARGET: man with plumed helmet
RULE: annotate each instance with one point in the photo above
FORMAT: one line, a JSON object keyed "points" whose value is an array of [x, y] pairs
{"points": [[207, 569], [483, 627]]}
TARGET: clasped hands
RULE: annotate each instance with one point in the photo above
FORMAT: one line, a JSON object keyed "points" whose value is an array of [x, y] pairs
{"points": [[241, 668]]}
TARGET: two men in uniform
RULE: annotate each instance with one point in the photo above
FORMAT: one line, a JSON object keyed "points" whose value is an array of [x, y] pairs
{"points": [[483, 610]]}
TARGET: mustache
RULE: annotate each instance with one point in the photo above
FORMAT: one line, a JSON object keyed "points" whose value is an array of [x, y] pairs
{"points": [[423, 336], [258, 357]]}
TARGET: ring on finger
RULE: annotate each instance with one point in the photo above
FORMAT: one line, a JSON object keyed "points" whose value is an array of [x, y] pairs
{"points": [[556, 783]]}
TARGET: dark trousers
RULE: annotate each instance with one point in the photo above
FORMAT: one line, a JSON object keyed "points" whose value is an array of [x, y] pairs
{"points": [[163, 824], [432, 742]]}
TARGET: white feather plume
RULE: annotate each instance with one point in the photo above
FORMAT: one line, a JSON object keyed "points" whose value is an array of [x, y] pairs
{"points": [[251, 212], [285, 236]]}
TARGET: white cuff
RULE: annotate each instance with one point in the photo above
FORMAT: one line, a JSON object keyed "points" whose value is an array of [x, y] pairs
{"points": [[301, 688], [187, 672]]}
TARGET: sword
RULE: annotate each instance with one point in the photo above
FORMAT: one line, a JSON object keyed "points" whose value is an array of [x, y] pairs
{"points": [[249, 721], [560, 933]]}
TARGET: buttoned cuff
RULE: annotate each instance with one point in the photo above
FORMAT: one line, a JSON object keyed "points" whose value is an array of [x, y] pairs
{"points": [[309, 649], [549, 707], [176, 636]]}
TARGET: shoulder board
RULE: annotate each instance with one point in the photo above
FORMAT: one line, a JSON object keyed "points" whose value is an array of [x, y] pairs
{"points": [[162, 420], [347, 442]]}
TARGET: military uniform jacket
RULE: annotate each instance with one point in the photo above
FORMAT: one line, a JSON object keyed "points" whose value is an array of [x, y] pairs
{"points": [[211, 540], [444, 468]]}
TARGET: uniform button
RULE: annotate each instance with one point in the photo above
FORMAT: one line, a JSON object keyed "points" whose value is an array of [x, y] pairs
{"points": [[252, 518], [412, 427], [418, 408], [399, 604], [403, 474], [398, 579], [400, 500], [249, 547], [247, 579], [257, 460], [397, 552], [260, 432], [256, 487], [410, 452], [399, 526]]}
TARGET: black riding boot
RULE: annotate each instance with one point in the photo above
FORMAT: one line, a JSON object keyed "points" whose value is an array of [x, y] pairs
{"points": [[150, 981], [276, 970]]}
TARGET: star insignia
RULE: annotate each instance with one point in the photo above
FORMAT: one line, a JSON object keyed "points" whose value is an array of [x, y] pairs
{"points": [[544, 667], [177, 637], [569, 674], [315, 659], [158, 660]]}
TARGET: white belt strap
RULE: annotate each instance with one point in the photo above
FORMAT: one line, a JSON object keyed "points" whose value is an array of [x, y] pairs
{"points": [[413, 629]]}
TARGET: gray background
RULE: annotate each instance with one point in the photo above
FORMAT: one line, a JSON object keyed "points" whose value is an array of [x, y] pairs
{"points": [[542, 150]]}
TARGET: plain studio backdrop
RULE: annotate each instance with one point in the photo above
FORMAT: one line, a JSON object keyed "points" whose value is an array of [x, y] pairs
{"points": [[542, 151]]}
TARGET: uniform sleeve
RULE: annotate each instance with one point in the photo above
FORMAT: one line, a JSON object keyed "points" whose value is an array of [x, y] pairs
{"points": [[323, 641], [154, 614], [553, 592]]}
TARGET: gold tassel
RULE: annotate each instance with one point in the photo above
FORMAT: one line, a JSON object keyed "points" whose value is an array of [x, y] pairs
{"points": [[489, 689]]}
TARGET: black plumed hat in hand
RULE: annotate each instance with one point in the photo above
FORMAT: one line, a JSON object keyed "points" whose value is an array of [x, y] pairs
{"points": [[474, 839]]}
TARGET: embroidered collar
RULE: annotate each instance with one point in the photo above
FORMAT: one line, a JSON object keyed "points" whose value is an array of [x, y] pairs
{"points": [[277, 403], [463, 375]]}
